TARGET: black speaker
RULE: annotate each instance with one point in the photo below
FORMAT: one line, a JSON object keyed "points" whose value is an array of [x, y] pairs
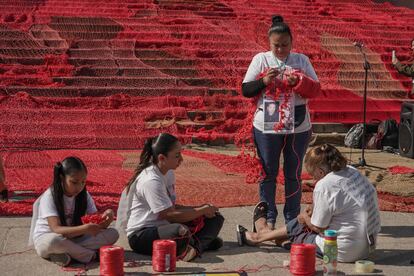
{"points": [[406, 130]]}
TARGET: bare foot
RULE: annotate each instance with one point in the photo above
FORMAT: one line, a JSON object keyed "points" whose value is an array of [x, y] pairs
{"points": [[251, 238], [261, 225]]}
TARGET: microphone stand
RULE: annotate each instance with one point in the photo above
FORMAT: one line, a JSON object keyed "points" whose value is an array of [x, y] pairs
{"points": [[367, 66]]}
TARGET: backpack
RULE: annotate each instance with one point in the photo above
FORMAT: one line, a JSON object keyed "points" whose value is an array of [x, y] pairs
{"points": [[353, 137], [374, 141], [388, 133]]}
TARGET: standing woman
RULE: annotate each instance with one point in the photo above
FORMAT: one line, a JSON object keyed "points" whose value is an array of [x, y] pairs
{"points": [[406, 69], [270, 74], [148, 212]]}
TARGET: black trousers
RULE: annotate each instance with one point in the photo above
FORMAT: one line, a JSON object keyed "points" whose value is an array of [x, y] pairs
{"points": [[141, 240]]}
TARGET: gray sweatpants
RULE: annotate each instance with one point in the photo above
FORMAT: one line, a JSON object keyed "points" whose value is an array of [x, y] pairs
{"points": [[81, 248]]}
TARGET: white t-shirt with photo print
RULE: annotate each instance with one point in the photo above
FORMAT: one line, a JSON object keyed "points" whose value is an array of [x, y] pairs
{"points": [[295, 61]]}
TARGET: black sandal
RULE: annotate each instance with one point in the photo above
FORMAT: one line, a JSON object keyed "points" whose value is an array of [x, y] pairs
{"points": [[4, 196], [260, 211], [241, 235]]}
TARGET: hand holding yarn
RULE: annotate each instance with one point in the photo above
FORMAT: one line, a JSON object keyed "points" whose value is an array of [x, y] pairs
{"points": [[270, 75], [210, 210], [97, 222], [107, 218], [92, 218], [292, 79]]}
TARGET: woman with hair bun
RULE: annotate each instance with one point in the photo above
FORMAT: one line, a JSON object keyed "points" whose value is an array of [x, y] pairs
{"points": [[343, 200], [148, 212], [271, 74]]}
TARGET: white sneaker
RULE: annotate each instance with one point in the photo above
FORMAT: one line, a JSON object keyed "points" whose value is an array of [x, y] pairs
{"points": [[190, 254]]}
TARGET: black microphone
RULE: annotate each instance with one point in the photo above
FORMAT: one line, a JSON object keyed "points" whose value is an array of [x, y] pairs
{"points": [[358, 44]]}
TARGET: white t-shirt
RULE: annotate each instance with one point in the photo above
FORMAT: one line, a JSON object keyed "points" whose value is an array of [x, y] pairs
{"points": [[154, 193], [336, 209], [266, 60], [47, 208]]}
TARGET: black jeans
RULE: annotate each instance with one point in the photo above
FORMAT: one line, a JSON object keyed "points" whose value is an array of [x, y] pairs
{"points": [[141, 240]]}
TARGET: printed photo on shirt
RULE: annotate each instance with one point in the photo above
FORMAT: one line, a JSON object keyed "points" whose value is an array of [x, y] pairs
{"points": [[277, 119], [271, 112]]}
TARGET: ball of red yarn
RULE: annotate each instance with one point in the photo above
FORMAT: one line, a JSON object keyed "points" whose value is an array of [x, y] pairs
{"points": [[302, 259], [94, 218], [111, 260], [164, 255]]}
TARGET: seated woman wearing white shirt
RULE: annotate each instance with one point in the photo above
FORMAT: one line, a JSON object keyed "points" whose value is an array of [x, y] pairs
{"points": [[343, 200], [57, 231], [147, 209]]}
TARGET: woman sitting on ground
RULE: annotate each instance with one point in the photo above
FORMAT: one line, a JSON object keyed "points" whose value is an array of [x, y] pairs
{"points": [[57, 230], [343, 200], [148, 210]]}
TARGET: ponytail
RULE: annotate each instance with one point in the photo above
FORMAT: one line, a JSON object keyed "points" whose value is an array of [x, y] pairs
{"points": [[145, 160], [162, 144], [57, 192]]}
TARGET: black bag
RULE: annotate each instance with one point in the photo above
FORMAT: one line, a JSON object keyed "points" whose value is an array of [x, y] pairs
{"points": [[388, 133]]}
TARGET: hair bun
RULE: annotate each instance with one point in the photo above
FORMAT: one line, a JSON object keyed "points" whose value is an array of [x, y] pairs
{"points": [[277, 19]]}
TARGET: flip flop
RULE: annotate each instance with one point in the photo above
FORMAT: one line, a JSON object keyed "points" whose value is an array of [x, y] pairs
{"points": [[260, 211], [241, 235]]}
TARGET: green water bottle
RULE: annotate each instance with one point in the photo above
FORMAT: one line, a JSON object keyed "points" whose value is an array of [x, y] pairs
{"points": [[330, 253]]}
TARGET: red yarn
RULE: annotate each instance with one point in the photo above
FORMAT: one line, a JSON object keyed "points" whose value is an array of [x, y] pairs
{"points": [[302, 259], [164, 255], [94, 218], [196, 225], [111, 260], [400, 170], [306, 87]]}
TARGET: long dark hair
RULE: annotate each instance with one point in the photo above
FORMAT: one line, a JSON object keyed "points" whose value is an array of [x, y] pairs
{"points": [[68, 166], [279, 27], [161, 144]]}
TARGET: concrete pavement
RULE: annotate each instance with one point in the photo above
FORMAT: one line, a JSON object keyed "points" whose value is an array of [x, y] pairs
{"points": [[394, 256]]}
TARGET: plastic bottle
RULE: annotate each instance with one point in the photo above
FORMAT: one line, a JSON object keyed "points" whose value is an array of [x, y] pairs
{"points": [[330, 253]]}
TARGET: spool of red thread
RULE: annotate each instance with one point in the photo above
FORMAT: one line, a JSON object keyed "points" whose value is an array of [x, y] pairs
{"points": [[302, 259], [164, 255], [111, 260]]}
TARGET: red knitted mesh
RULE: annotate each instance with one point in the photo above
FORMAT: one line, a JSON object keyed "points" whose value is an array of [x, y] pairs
{"points": [[203, 177], [96, 74], [196, 51]]}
